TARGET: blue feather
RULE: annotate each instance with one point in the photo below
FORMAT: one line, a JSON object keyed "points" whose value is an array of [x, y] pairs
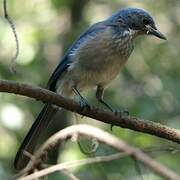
{"points": [[68, 57]]}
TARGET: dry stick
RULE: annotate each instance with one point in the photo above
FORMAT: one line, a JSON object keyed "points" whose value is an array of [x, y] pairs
{"points": [[7, 17], [67, 165], [133, 123], [72, 164], [103, 137]]}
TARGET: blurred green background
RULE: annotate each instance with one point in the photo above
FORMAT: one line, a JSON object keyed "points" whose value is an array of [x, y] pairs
{"points": [[148, 86]]}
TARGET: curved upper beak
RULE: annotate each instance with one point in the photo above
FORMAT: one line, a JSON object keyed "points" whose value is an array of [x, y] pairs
{"points": [[154, 31]]}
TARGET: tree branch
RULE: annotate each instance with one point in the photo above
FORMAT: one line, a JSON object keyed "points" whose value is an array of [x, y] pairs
{"points": [[132, 123], [76, 131], [72, 164]]}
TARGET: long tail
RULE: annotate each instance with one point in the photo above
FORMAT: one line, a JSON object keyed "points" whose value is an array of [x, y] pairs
{"points": [[31, 138]]}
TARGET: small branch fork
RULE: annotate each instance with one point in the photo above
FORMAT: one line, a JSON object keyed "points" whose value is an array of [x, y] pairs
{"points": [[101, 136], [136, 124]]}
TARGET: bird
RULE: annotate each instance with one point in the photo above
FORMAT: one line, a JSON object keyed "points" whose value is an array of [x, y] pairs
{"points": [[93, 60]]}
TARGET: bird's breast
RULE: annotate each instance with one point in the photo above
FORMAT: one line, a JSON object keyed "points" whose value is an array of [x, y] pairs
{"points": [[100, 60]]}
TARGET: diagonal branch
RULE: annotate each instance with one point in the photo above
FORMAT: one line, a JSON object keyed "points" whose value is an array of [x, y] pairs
{"points": [[132, 123], [72, 164], [101, 136]]}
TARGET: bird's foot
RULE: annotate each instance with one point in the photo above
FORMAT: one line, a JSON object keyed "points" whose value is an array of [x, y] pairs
{"points": [[118, 112], [82, 101], [121, 114], [106, 105], [84, 104]]}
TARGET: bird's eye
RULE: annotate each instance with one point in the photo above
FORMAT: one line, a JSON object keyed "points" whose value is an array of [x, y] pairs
{"points": [[120, 20], [145, 21]]}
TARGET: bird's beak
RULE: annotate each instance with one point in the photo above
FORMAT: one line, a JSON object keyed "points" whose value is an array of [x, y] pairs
{"points": [[154, 31]]}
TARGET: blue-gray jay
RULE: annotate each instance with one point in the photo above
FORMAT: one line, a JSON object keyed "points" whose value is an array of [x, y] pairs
{"points": [[93, 60]]}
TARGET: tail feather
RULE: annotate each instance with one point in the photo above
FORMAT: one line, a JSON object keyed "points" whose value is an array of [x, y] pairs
{"points": [[31, 138]]}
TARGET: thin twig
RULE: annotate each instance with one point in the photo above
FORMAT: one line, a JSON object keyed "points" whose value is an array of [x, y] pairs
{"points": [[101, 136], [72, 164], [132, 123], [10, 21]]}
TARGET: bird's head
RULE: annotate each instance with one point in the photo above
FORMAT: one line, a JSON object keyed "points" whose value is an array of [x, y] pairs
{"points": [[136, 20]]}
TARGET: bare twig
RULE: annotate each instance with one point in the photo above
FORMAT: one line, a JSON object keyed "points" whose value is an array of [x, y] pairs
{"points": [[133, 123], [103, 137], [71, 164], [10, 21]]}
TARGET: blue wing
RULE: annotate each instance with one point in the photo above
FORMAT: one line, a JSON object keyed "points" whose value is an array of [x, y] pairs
{"points": [[67, 59]]}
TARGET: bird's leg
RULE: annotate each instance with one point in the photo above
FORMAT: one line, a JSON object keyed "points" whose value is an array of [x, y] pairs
{"points": [[99, 96], [82, 100]]}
